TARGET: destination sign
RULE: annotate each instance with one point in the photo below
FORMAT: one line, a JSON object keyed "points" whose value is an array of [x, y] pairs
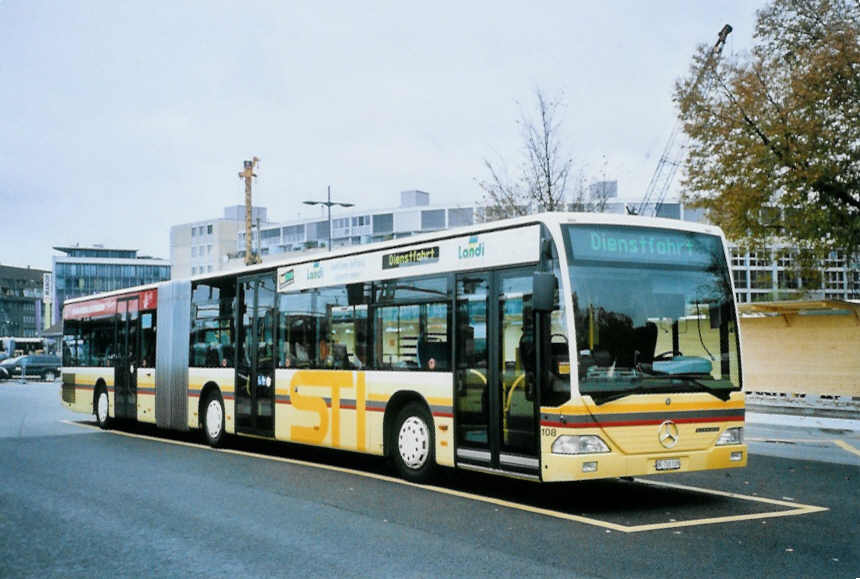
{"points": [[411, 257], [643, 245]]}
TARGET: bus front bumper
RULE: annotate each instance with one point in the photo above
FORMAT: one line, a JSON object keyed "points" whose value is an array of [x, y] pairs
{"points": [[558, 467]]}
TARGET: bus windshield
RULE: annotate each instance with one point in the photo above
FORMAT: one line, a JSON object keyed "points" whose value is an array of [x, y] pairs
{"points": [[654, 312]]}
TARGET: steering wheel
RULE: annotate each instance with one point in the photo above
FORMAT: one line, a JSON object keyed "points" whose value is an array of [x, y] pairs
{"points": [[668, 355]]}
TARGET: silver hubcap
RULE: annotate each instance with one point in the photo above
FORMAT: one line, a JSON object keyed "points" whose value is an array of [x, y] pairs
{"points": [[49, 376], [213, 419], [102, 407], [413, 441]]}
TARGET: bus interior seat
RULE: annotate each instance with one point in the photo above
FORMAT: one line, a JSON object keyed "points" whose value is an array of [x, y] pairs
{"points": [[645, 342], [301, 353], [601, 357], [339, 356], [227, 354], [436, 350], [558, 353], [211, 358]]}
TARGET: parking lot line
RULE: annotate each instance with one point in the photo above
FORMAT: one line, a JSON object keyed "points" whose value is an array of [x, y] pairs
{"points": [[793, 508], [845, 446]]}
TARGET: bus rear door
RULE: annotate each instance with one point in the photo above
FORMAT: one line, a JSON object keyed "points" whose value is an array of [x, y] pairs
{"points": [[125, 360]]}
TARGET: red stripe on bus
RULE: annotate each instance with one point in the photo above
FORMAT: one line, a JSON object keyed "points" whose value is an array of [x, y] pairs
{"points": [[639, 422]]}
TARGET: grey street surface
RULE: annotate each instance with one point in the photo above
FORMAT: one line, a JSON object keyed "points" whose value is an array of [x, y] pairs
{"points": [[76, 501]]}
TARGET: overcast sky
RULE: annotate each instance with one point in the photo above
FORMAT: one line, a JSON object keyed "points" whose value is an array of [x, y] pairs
{"points": [[120, 119]]}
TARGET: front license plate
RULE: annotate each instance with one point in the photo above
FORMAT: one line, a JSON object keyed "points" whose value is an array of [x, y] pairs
{"points": [[668, 463]]}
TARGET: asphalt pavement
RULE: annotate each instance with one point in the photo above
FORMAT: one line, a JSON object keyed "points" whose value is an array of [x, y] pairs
{"points": [[77, 501]]}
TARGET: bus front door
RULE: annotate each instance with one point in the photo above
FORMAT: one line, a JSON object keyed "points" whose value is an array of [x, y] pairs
{"points": [[255, 369], [125, 359], [496, 406]]}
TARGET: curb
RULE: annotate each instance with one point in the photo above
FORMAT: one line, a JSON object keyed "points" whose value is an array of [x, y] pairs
{"points": [[844, 413], [793, 420]]}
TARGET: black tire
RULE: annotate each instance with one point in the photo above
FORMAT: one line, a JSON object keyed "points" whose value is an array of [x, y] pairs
{"points": [[412, 444], [101, 408], [212, 419]]}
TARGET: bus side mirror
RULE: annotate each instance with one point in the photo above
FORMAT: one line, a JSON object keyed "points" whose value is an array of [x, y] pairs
{"points": [[543, 296]]}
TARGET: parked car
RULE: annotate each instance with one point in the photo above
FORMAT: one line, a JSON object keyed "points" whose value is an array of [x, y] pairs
{"points": [[46, 367]]}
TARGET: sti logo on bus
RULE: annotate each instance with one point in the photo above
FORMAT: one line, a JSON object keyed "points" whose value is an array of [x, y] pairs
{"points": [[287, 279], [316, 272], [472, 250]]}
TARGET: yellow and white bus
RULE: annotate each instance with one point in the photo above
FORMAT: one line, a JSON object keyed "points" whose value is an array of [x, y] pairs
{"points": [[553, 347]]}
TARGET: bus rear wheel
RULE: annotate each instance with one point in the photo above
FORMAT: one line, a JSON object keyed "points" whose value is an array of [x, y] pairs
{"points": [[412, 444], [213, 419], [100, 408]]}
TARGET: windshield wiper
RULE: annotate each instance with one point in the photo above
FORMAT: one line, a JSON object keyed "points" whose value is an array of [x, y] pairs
{"points": [[721, 393], [663, 379], [638, 389]]}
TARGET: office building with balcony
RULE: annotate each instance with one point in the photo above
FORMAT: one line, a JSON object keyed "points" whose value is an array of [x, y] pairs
{"points": [[414, 215], [86, 270]]}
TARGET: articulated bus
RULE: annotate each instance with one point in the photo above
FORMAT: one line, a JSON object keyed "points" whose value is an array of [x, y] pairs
{"points": [[554, 347]]}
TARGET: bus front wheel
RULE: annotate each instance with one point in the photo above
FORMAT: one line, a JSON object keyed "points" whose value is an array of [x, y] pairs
{"points": [[412, 443], [101, 408], [213, 419]]}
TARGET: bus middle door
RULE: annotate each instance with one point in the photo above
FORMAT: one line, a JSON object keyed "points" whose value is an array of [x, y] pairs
{"points": [[495, 395], [255, 369]]}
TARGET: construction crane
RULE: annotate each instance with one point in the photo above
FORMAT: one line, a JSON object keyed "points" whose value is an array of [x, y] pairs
{"points": [[667, 166], [248, 174]]}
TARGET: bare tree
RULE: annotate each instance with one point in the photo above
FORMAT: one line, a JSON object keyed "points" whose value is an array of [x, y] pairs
{"points": [[542, 184]]}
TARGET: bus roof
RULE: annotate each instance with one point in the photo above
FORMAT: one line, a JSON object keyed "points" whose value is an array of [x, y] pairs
{"points": [[550, 219]]}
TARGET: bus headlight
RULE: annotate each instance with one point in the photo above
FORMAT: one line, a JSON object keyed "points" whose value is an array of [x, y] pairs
{"points": [[731, 436], [584, 444]]}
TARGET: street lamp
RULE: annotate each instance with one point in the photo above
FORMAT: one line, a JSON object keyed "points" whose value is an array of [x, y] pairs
{"points": [[328, 204]]}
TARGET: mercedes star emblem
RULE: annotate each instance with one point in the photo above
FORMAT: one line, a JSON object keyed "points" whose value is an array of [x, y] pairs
{"points": [[668, 434]]}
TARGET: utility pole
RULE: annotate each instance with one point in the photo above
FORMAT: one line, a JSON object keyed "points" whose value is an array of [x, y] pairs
{"points": [[248, 174], [328, 204]]}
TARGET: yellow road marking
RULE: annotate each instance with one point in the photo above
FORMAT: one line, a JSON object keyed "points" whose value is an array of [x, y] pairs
{"points": [[845, 446], [795, 508]]}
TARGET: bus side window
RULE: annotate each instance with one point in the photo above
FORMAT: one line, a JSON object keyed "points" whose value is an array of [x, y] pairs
{"points": [[212, 332], [147, 340], [411, 324]]}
